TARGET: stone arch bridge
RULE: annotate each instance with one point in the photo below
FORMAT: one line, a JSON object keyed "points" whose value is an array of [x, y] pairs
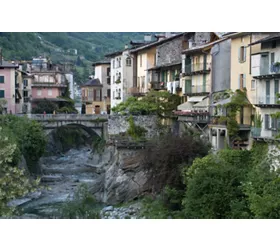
{"points": [[97, 123]]}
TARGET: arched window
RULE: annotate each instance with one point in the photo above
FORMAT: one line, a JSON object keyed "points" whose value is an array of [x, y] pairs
{"points": [[128, 61]]}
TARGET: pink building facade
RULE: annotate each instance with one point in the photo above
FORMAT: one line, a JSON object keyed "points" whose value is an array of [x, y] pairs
{"points": [[7, 85]]}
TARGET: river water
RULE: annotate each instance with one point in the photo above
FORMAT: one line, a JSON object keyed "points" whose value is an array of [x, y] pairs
{"points": [[62, 175]]}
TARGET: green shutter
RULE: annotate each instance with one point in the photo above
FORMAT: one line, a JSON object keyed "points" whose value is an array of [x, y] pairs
{"points": [[188, 86], [2, 79], [204, 61], [204, 83], [2, 93]]}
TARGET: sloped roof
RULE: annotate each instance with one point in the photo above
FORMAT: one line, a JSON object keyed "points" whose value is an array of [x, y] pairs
{"points": [[6, 64], [273, 37], [93, 82], [203, 46], [149, 45], [101, 62]]}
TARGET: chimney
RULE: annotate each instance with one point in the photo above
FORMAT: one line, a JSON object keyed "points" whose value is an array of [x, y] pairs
{"points": [[126, 46], [148, 38], [1, 57], [168, 34]]}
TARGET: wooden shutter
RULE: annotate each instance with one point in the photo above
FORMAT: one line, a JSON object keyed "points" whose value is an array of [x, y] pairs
{"points": [[94, 95], [244, 54], [239, 54], [239, 78], [244, 81], [101, 95]]}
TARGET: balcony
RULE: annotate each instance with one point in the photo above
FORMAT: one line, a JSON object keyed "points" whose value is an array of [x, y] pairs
{"points": [[197, 89], [91, 99], [48, 84], [197, 68], [266, 101], [158, 85], [194, 116], [134, 91], [261, 67], [17, 85]]}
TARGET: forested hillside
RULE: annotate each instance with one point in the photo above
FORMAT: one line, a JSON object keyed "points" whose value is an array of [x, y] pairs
{"points": [[90, 45], [61, 46]]}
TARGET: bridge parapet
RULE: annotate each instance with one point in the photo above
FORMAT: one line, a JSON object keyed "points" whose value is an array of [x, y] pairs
{"points": [[66, 117]]}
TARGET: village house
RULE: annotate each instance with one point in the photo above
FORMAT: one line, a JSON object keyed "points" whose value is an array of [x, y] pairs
{"points": [[23, 91], [96, 93], [49, 81], [196, 80], [121, 76], [7, 85], [265, 72]]}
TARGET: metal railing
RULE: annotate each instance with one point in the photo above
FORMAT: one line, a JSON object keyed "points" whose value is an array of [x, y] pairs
{"points": [[197, 89], [266, 100], [158, 85], [195, 67]]}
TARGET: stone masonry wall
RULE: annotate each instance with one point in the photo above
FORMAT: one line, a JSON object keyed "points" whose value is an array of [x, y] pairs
{"points": [[170, 52], [118, 124]]}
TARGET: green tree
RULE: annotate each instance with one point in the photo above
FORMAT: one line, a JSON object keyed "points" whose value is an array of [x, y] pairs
{"points": [[45, 106], [214, 186], [13, 181]]}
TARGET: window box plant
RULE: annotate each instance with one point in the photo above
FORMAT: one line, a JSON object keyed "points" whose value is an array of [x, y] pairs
{"points": [[118, 81]]}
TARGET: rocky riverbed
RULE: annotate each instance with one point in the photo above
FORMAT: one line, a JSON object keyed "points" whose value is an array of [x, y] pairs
{"points": [[113, 177]]}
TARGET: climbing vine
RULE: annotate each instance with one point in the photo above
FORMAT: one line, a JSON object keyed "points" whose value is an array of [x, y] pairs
{"points": [[237, 102], [135, 131]]}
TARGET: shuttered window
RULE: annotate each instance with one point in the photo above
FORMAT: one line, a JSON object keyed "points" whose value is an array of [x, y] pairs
{"points": [[2, 93], [273, 123], [266, 121], [242, 54], [2, 79]]}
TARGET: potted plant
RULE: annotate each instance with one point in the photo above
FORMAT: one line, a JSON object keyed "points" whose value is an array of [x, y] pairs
{"points": [[118, 80]]}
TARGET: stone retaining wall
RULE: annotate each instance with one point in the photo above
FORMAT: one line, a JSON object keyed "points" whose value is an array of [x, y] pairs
{"points": [[119, 124]]}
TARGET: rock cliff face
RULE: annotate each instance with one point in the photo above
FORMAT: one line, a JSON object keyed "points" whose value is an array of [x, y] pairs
{"points": [[123, 176]]}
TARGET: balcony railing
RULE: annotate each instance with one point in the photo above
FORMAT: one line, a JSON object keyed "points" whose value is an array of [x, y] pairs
{"points": [[91, 99], [196, 89], [134, 91], [158, 85], [266, 100], [197, 68]]}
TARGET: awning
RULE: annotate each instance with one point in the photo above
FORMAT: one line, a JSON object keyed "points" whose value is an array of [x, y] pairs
{"points": [[185, 106], [196, 98], [225, 101], [204, 103]]}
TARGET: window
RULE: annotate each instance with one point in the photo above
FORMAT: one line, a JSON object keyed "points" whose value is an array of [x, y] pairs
{"points": [[2, 79], [49, 92], [120, 62], [140, 60], [253, 84], [39, 92], [128, 61], [113, 64], [242, 54], [109, 93], [108, 80], [108, 72], [242, 81], [2, 93], [273, 44], [25, 83]]}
